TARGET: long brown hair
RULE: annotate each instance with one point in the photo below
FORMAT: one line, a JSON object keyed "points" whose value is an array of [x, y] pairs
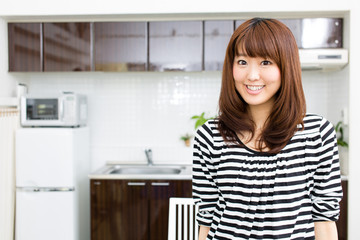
{"points": [[267, 38]]}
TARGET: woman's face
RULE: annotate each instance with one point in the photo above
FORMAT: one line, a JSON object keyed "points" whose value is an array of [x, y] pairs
{"points": [[257, 79]]}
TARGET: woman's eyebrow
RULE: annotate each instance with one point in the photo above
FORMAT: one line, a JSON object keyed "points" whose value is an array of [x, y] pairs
{"points": [[240, 54]]}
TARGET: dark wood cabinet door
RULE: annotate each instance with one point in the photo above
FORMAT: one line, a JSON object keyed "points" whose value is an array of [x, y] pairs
{"points": [[160, 192], [131, 209], [216, 38], [342, 222], [175, 46], [102, 210], [25, 47], [67, 47], [120, 46]]}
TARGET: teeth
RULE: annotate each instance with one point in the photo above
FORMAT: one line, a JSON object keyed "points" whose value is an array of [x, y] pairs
{"points": [[254, 88]]}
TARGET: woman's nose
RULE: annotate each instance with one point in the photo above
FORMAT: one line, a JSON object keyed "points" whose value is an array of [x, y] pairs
{"points": [[253, 73]]}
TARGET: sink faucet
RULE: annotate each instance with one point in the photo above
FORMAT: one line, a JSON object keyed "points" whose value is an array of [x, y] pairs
{"points": [[148, 153]]}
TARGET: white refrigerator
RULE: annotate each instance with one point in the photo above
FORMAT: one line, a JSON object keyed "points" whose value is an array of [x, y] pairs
{"points": [[52, 188]]}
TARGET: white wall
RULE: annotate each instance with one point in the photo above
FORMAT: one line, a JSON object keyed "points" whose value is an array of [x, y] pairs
{"points": [[85, 8]]}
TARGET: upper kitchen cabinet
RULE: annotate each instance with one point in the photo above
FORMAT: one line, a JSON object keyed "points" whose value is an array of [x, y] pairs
{"points": [[216, 37], [67, 47], [316, 32], [25, 52], [175, 46], [120, 46]]}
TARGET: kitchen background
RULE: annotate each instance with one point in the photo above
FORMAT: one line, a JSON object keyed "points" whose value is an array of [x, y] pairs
{"points": [[129, 112]]}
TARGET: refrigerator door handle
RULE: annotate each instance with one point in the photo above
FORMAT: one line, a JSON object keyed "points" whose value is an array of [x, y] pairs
{"points": [[46, 189]]}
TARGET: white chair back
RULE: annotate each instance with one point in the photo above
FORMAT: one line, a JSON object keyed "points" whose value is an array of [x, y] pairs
{"points": [[182, 223]]}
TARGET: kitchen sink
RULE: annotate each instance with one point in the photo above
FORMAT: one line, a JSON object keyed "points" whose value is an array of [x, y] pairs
{"points": [[145, 170]]}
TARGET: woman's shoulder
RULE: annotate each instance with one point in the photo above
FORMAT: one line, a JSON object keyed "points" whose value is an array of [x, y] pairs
{"points": [[208, 130], [315, 123], [210, 125], [312, 118]]}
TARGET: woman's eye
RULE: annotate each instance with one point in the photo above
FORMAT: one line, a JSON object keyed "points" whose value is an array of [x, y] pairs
{"points": [[265, 62], [242, 62]]}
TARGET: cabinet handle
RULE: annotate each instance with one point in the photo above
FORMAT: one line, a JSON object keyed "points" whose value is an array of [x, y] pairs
{"points": [[160, 184], [97, 183], [136, 184]]}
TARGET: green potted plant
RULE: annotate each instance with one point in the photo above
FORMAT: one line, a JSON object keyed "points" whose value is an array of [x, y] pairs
{"points": [[200, 119], [186, 138], [340, 135]]}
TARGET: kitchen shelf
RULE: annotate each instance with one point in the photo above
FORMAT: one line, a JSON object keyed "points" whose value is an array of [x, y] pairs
{"points": [[9, 102]]}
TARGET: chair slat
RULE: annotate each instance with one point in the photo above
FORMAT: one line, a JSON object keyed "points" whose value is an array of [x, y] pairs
{"points": [[185, 221], [182, 225], [179, 222], [191, 222]]}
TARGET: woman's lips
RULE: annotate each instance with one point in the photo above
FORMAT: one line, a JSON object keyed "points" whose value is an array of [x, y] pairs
{"points": [[254, 89]]}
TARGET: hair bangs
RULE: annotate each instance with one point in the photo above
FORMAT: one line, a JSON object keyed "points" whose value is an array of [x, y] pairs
{"points": [[258, 41]]}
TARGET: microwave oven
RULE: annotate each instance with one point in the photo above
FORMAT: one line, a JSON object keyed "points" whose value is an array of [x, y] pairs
{"points": [[64, 110]]}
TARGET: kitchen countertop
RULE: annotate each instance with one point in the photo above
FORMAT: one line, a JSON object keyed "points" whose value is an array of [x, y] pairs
{"points": [[185, 174], [104, 172]]}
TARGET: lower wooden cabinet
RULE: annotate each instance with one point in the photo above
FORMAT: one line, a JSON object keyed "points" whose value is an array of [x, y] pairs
{"points": [[102, 219], [342, 223], [133, 209]]}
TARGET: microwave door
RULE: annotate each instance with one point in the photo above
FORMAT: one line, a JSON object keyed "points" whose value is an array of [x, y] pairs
{"points": [[42, 111]]}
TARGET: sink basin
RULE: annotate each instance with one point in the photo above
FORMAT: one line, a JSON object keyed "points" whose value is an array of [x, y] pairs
{"points": [[145, 170]]}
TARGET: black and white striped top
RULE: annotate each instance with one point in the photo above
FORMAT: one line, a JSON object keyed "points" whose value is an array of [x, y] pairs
{"points": [[244, 194]]}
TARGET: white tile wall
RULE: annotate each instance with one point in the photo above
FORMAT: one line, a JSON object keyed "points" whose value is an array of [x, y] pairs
{"points": [[326, 93], [129, 112]]}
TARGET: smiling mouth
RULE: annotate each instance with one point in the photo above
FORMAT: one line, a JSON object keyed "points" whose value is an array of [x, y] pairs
{"points": [[255, 88]]}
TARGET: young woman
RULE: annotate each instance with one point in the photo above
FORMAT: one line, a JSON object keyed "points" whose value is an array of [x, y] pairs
{"points": [[264, 169]]}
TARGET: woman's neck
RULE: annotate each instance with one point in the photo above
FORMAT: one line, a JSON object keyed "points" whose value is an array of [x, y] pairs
{"points": [[260, 114]]}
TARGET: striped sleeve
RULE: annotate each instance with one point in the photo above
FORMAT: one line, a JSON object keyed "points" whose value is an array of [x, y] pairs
{"points": [[327, 191], [205, 192]]}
